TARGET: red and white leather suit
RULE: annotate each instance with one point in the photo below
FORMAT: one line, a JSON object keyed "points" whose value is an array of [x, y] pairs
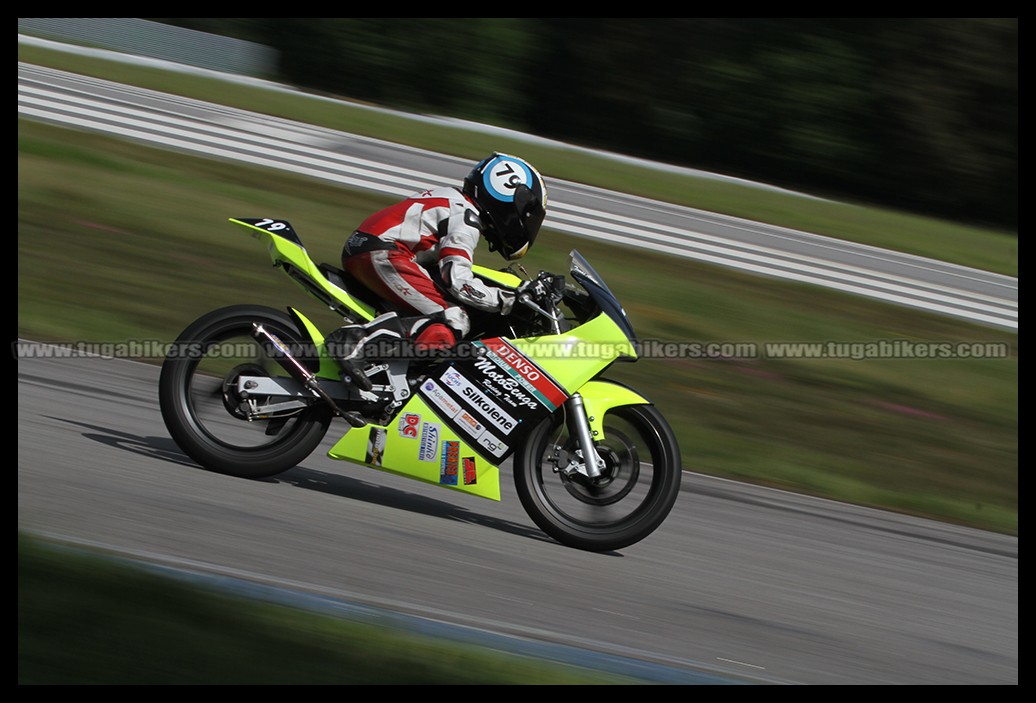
{"points": [[437, 228]]}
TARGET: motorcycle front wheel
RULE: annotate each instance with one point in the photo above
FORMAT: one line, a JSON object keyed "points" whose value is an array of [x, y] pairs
{"points": [[204, 413], [636, 491]]}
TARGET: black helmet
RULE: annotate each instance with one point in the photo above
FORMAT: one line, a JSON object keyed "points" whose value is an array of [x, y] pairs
{"points": [[512, 200]]}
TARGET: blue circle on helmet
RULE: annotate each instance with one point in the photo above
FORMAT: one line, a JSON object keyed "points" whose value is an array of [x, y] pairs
{"points": [[503, 174]]}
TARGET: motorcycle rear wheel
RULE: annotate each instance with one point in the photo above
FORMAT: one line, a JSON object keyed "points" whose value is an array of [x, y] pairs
{"points": [[636, 492], [200, 405]]}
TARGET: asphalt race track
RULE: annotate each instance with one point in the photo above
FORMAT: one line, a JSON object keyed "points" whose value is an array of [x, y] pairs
{"points": [[741, 584]]}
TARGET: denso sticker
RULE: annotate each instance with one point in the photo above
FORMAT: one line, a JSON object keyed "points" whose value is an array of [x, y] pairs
{"points": [[428, 449], [522, 368]]}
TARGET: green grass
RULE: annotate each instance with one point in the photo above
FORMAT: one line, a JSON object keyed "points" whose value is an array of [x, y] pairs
{"points": [[84, 619], [118, 241], [947, 241]]}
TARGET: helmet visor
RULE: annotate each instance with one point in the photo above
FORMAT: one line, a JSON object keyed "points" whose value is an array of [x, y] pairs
{"points": [[530, 210], [522, 223]]}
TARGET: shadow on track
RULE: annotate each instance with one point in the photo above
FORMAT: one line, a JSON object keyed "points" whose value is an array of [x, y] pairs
{"points": [[165, 449]]}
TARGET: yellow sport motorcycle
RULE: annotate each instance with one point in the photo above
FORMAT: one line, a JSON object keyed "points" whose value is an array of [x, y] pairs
{"points": [[251, 391]]}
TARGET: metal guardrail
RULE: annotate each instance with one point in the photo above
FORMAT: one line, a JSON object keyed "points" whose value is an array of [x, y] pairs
{"points": [[134, 35]]}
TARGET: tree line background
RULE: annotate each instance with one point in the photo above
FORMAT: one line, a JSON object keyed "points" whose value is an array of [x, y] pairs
{"points": [[919, 114]]}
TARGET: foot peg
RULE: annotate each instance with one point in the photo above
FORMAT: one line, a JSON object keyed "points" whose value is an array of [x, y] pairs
{"points": [[354, 418], [355, 375]]}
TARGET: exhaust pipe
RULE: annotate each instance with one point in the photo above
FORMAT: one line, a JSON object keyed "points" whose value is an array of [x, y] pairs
{"points": [[283, 356]]}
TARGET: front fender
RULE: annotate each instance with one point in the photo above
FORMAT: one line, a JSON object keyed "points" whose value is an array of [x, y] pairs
{"points": [[600, 396]]}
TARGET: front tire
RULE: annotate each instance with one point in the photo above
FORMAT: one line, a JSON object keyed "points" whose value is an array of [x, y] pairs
{"points": [[196, 396], [637, 490]]}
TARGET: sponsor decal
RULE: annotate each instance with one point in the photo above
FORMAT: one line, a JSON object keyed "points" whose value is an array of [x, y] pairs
{"points": [[452, 378], [486, 408], [491, 444], [514, 391], [434, 392], [463, 420], [470, 476], [492, 400], [449, 463], [468, 421], [409, 424], [375, 446], [428, 450], [531, 376]]}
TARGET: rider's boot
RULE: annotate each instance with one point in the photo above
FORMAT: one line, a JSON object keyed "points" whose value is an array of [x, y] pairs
{"points": [[354, 345], [388, 336]]}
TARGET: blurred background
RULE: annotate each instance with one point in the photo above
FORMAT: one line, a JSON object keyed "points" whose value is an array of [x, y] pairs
{"points": [[917, 113], [914, 116]]}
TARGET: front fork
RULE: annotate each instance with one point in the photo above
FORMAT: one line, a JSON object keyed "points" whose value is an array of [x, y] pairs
{"points": [[579, 428]]}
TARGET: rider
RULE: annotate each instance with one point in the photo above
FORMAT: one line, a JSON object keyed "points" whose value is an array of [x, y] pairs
{"points": [[417, 256]]}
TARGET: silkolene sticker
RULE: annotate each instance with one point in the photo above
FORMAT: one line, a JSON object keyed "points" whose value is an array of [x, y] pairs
{"points": [[493, 399]]}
